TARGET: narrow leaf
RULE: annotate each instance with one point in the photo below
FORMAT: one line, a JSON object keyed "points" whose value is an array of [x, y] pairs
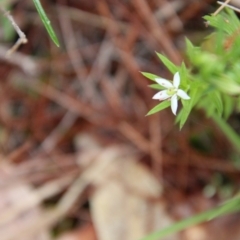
{"points": [[156, 86], [227, 208], [149, 75], [159, 107], [228, 103], [217, 100], [190, 49], [185, 111], [170, 66], [232, 136], [46, 22], [188, 105]]}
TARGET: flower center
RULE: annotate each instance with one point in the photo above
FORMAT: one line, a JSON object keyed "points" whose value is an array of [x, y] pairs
{"points": [[171, 91]]}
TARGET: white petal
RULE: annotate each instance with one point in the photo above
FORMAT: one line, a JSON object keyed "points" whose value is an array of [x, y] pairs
{"points": [[176, 80], [174, 103], [163, 82], [182, 94], [162, 95]]}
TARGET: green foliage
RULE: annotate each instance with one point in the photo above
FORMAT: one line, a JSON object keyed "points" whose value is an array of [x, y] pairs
{"points": [[228, 106], [230, 206], [184, 85], [159, 107], [149, 76], [226, 21], [212, 78], [156, 86], [213, 83], [46, 22], [170, 66]]}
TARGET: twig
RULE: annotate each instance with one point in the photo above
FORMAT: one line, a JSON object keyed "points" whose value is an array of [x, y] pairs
{"points": [[91, 19], [157, 30], [229, 6], [155, 144], [22, 37], [136, 137], [23, 61], [221, 7]]}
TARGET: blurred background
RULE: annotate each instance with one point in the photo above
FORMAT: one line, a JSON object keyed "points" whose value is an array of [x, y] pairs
{"points": [[79, 158]]}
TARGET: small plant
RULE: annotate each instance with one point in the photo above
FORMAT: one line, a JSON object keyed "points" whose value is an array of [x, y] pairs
{"points": [[212, 83], [211, 80]]}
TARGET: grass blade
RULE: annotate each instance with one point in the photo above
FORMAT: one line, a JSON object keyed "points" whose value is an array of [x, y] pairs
{"points": [[46, 22]]}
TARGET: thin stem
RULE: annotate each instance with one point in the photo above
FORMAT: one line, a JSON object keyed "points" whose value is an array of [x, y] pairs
{"points": [[232, 136], [229, 6], [22, 37], [221, 7], [227, 208]]}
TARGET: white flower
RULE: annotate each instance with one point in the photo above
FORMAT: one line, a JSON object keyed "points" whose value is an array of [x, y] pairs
{"points": [[172, 91]]}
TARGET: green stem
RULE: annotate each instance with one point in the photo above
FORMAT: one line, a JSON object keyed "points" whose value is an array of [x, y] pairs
{"points": [[232, 136], [229, 207]]}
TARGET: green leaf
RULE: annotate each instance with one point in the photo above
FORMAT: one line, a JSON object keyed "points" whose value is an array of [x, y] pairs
{"points": [[184, 75], [156, 86], [227, 85], [187, 107], [226, 20], [228, 104], [170, 66], [159, 107], [46, 22], [189, 47], [226, 208], [229, 132], [149, 75], [216, 98], [189, 104]]}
